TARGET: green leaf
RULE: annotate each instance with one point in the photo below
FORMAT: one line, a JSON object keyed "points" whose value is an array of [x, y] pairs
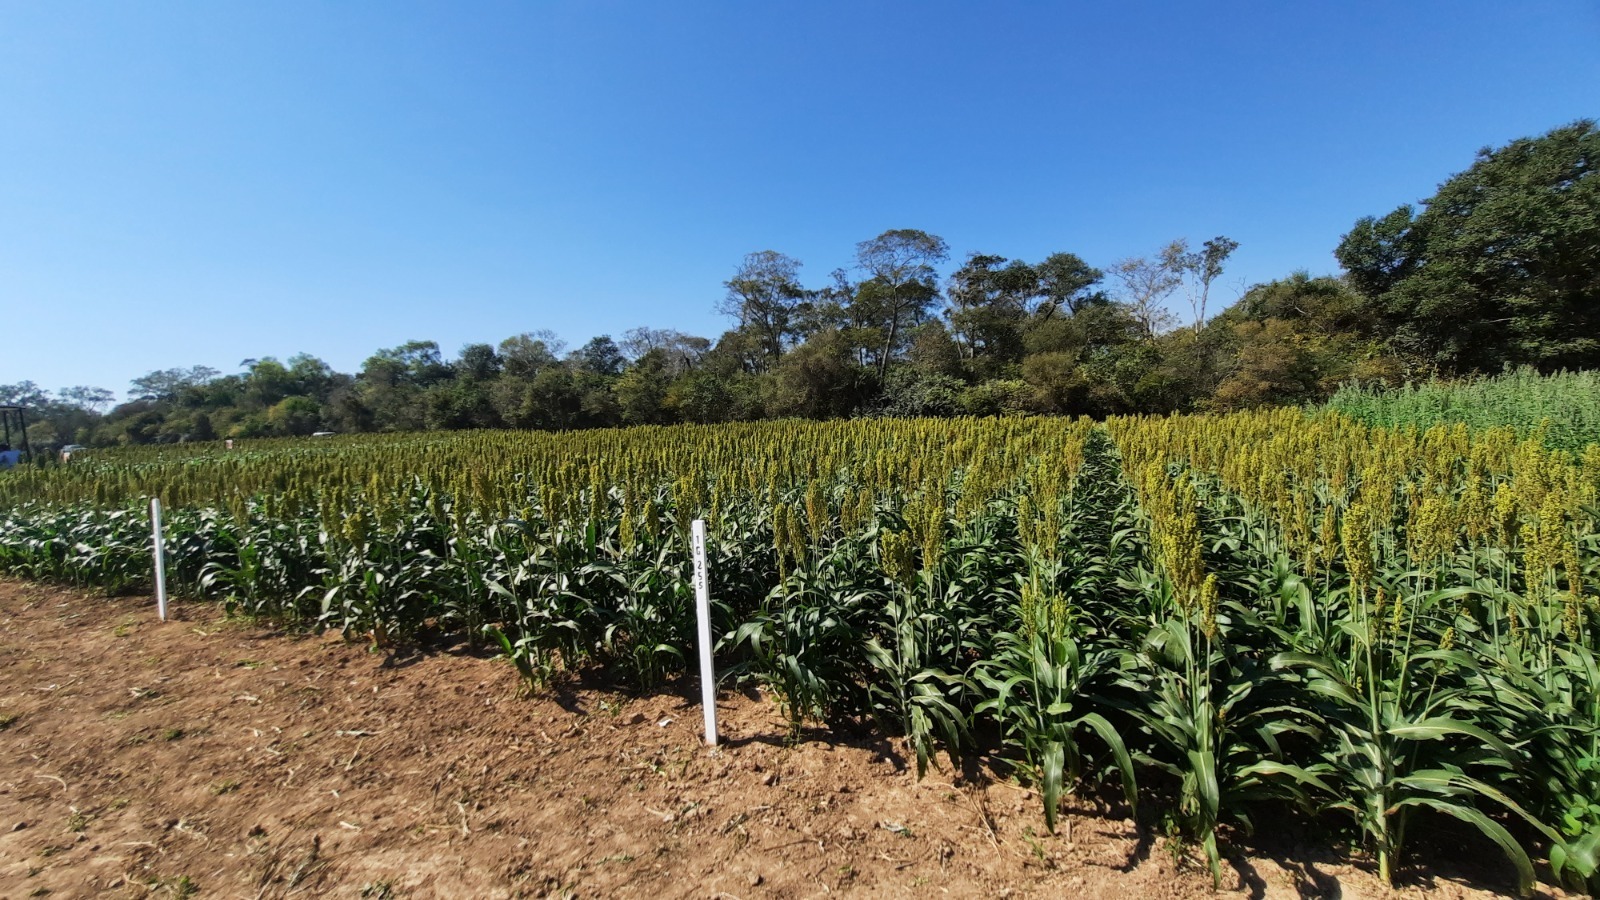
{"points": [[1108, 735], [1300, 774], [1053, 763], [1203, 763], [1442, 726], [1490, 829]]}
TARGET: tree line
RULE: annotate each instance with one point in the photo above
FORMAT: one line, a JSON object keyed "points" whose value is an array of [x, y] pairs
{"points": [[1501, 267]]}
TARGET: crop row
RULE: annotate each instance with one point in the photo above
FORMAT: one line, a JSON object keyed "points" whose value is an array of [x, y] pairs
{"points": [[1225, 617]]}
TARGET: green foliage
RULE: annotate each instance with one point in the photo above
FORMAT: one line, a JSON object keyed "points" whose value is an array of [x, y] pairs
{"points": [[1499, 267], [1257, 614], [1040, 684], [1562, 409]]}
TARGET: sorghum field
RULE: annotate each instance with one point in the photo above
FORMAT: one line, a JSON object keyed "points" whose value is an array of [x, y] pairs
{"points": [[1221, 619]]}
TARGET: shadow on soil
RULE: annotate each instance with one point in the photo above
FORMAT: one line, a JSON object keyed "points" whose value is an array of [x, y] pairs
{"points": [[1442, 852]]}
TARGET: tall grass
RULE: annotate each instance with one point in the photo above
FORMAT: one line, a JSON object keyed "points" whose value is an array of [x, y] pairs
{"points": [[1564, 408]]}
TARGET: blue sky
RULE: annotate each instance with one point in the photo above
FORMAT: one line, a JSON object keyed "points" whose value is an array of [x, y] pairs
{"points": [[198, 183]]}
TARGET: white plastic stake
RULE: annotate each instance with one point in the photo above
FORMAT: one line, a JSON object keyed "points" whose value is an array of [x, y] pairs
{"points": [[161, 557], [702, 608]]}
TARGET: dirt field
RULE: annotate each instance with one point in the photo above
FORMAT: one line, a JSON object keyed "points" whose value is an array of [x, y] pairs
{"points": [[211, 759]]}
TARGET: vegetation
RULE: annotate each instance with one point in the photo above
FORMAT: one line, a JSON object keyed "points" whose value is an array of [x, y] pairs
{"points": [[1373, 615], [1498, 268], [1245, 615], [1562, 409]]}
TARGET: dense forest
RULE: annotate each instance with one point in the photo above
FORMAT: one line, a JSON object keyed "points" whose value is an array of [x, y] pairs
{"points": [[1500, 268]]}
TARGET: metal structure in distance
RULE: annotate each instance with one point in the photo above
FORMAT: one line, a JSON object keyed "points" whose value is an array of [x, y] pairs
{"points": [[14, 421]]}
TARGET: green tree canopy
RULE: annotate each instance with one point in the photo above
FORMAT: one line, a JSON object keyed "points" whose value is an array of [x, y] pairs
{"points": [[901, 284], [766, 297], [1501, 266]]}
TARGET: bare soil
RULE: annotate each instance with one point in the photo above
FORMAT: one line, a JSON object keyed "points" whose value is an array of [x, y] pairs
{"points": [[209, 758]]}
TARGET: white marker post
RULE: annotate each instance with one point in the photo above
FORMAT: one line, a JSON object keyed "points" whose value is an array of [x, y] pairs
{"points": [[161, 557], [702, 607]]}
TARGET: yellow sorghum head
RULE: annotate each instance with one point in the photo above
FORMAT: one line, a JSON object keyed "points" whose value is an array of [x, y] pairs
{"points": [[1356, 534], [898, 557], [933, 533], [1208, 606], [1430, 532], [817, 517], [1505, 513]]}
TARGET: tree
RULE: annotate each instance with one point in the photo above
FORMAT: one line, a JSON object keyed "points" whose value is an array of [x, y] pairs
{"points": [[525, 355], [1292, 340], [464, 402], [1059, 384], [901, 283], [91, 399], [996, 397], [59, 419], [414, 362], [1502, 265], [1322, 304], [744, 349], [203, 429], [765, 296], [601, 356], [23, 393], [989, 297], [1379, 253], [478, 362], [1146, 284], [722, 387], [311, 377], [168, 383], [1273, 365], [1203, 268], [707, 397], [297, 416], [268, 382], [393, 381], [1064, 283], [597, 402], [933, 351], [642, 390], [133, 422], [347, 409], [913, 391], [555, 399], [679, 351], [829, 307], [820, 380]]}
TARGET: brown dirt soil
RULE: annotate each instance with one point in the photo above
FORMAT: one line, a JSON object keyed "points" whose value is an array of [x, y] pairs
{"points": [[202, 757]]}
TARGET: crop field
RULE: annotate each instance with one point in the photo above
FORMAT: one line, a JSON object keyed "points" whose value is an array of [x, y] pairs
{"points": [[1563, 409], [1220, 619]]}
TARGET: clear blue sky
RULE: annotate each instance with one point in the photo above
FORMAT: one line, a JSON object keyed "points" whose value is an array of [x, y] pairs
{"points": [[197, 183]]}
